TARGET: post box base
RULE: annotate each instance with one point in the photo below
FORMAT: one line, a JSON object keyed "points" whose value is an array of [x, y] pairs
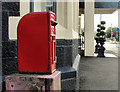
{"points": [[34, 82]]}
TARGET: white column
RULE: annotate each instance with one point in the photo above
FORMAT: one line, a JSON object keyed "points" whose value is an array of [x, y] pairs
{"points": [[60, 29], [65, 20], [89, 28], [69, 20]]}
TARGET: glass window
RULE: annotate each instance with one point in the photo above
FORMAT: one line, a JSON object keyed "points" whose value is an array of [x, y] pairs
{"points": [[49, 5]]}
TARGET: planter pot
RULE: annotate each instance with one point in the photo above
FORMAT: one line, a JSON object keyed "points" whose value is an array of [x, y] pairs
{"points": [[97, 45], [101, 49]]}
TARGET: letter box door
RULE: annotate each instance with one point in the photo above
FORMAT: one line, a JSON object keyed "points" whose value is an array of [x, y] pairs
{"points": [[53, 40]]}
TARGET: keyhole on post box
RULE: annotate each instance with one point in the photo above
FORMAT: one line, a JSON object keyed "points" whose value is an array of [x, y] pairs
{"points": [[11, 86]]}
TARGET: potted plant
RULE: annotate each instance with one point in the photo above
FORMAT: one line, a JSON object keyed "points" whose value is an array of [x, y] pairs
{"points": [[97, 40], [100, 39]]}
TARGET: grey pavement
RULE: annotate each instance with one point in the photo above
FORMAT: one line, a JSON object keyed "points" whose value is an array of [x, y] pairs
{"points": [[100, 73]]}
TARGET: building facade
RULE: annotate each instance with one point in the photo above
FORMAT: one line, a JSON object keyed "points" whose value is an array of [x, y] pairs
{"points": [[68, 57], [68, 16]]}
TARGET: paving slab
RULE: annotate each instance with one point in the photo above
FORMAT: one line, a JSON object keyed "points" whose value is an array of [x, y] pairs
{"points": [[100, 73]]}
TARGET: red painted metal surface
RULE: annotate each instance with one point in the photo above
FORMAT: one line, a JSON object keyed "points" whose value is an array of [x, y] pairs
{"points": [[37, 43]]}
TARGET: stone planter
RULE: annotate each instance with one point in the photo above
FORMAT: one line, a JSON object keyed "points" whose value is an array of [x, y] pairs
{"points": [[101, 48], [97, 45]]}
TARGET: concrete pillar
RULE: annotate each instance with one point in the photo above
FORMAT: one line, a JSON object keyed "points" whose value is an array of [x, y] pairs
{"points": [[89, 28], [69, 20], [64, 20], [79, 25]]}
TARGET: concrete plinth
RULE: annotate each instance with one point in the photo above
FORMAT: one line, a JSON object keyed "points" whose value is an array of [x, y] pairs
{"points": [[34, 82]]}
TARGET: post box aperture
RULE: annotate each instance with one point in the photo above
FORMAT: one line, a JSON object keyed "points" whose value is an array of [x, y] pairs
{"points": [[36, 35]]}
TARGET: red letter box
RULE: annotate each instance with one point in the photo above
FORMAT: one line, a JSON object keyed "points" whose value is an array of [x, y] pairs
{"points": [[37, 43]]}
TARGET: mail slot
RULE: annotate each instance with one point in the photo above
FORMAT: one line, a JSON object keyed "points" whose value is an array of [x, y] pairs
{"points": [[36, 35]]}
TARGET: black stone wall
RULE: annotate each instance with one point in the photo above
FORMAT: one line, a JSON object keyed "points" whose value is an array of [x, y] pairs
{"points": [[0, 42], [64, 52], [9, 47], [68, 60], [67, 50], [75, 50]]}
